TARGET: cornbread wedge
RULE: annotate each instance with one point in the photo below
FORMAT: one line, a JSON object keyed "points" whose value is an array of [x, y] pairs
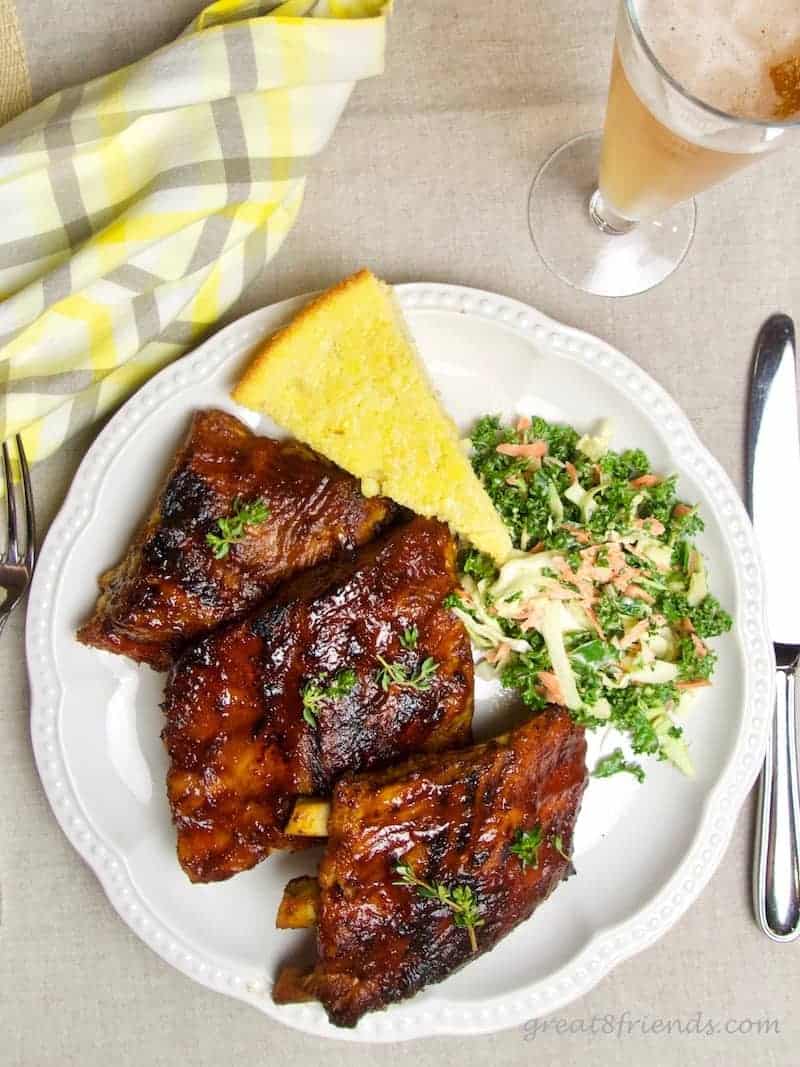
{"points": [[344, 377]]}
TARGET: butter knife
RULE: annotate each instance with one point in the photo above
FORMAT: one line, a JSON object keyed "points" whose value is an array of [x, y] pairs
{"points": [[773, 490]]}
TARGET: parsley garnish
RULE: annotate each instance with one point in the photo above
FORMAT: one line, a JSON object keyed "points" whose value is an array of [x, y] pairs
{"points": [[396, 674], [614, 763], [461, 900], [232, 529], [315, 694], [410, 637], [527, 844]]}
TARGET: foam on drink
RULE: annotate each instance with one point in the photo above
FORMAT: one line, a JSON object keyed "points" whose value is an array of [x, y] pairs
{"points": [[740, 56]]}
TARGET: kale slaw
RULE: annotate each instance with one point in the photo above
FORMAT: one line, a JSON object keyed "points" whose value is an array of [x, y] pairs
{"points": [[604, 606]]}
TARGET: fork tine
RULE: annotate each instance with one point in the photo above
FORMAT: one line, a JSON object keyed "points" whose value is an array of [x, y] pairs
{"points": [[12, 548], [30, 514]]}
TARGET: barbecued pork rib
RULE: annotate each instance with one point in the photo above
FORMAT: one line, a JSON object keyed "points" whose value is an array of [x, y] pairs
{"points": [[451, 820], [169, 587], [242, 743]]}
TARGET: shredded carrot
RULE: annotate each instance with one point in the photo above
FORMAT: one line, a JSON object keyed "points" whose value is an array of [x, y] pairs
{"points": [[699, 647], [535, 450], [572, 472], [636, 631], [581, 536], [652, 525], [590, 569], [698, 683], [532, 618], [498, 656], [600, 575], [585, 588], [562, 592], [523, 423], [616, 557], [635, 592], [551, 686], [645, 481]]}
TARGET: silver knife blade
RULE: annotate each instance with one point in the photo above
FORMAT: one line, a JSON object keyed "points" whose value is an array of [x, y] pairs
{"points": [[774, 473]]}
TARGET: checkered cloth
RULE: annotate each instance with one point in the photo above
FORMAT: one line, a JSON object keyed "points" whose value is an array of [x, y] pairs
{"points": [[137, 207]]}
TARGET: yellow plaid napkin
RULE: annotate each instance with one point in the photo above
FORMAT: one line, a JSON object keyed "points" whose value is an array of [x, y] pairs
{"points": [[137, 207]]}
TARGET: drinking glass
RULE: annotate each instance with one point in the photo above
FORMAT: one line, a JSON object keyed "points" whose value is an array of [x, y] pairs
{"points": [[612, 213]]}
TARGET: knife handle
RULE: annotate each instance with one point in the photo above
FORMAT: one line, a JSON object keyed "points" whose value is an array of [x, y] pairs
{"points": [[776, 881]]}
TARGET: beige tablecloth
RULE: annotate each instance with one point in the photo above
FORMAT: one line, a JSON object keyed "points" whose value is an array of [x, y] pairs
{"points": [[426, 178]]}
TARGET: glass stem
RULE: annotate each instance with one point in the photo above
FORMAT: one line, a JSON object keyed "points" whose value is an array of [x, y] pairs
{"points": [[606, 219]]}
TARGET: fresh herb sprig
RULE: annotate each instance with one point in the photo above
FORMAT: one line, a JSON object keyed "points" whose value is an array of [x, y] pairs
{"points": [[315, 694], [396, 674], [615, 763], [231, 530], [461, 900], [410, 637], [527, 843]]}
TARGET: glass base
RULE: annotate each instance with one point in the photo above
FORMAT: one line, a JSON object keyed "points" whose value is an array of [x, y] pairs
{"points": [[581, 247]]}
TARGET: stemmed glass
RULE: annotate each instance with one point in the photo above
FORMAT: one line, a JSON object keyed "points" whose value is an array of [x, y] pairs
{"points": [[613, 213]]}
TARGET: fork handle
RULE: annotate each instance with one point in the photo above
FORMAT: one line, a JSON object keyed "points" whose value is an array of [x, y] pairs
{"points": [[776, 877]]}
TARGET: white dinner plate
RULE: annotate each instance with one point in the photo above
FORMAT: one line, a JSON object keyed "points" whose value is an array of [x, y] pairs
{"points": [[643, 853]]}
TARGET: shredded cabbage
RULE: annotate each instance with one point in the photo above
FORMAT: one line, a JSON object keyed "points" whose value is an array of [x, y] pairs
{"points": [[562, 668], [595, 445]]}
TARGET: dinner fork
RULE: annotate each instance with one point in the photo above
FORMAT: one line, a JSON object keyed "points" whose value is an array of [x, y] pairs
{"points": [[16, 563]]}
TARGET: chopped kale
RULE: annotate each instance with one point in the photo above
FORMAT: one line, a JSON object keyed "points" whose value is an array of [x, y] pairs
{"points": [[615, 763]]}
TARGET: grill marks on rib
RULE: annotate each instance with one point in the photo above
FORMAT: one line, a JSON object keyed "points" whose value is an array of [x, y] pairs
{"points": [[453, 818], [169, 588], [238, 743]]}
